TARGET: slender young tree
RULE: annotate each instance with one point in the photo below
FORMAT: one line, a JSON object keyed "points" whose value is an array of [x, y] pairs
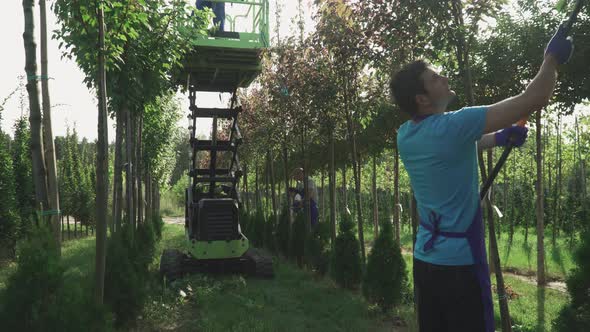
{"points": [[38, 157], [48, 142], [101, 163], [540, 205]]}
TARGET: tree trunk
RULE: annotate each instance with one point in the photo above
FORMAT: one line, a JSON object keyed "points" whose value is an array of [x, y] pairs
{"points": [[396, 203], [490, 211], [37, 156], [357, 181], [332, 193], [540, 222], [135, 170], [268, 200], [306, 190], [344, 189], [118, 176], [272, 185], [69, 234], [153, 197], [374, 193], [414, 217], [246, 197], [140, 171], [504, 197], [256, 188], [527, 215], [512, 207], [101, 166], [148, 193], [359, 215], [129, 175], [558, 199], [52, 188], [157, 200], [287, 200], [503, 302], [322, 207]]}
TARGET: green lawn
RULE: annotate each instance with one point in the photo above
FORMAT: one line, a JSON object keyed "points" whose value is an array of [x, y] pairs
{"points": [[294, 300], [534, 309], [523, 256], [520, 256]]}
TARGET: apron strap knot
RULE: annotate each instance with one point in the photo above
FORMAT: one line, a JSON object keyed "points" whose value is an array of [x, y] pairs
{"points": [[435, 231]]}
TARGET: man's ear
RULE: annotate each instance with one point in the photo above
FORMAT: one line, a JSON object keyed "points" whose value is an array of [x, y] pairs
{"points": [[422, 100]]}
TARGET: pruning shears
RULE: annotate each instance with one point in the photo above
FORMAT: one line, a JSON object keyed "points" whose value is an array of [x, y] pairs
{"points": [[488, 184]]}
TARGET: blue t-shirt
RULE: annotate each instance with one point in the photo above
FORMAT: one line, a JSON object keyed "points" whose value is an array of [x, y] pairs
{"points": [[440, 156]]}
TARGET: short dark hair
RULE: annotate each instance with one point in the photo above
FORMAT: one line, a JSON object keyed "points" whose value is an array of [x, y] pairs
{"points": [[406, 84]]}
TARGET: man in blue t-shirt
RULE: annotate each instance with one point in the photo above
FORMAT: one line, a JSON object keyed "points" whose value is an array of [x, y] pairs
{"points": [[439, 151]]}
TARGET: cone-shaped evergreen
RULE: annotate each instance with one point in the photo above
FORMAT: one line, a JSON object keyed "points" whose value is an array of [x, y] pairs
{"points": [[23, 178], [386, 279], [9, 218], [283, 231], [576, 315], [346, 259]]}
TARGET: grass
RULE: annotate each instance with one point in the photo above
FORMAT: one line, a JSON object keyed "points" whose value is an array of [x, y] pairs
{"points": [[534, 309], [169, 206], [294, 300], [521, 257]]}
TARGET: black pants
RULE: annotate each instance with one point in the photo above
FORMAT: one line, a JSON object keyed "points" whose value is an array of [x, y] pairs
{"points": [[448, 298]]}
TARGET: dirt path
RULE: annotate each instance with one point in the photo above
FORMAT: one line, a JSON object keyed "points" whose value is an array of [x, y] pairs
{"points": [[174, 220]]}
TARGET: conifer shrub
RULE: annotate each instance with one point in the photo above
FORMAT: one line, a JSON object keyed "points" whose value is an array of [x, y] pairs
{"points": [[269, 234], [127, 276], [36, 297], [386, 280], [345, 262], [317, 254], [282, 232], [575, 316], [257, 232], [9, 216], [145, 246], [297, 248], [158, 226]]}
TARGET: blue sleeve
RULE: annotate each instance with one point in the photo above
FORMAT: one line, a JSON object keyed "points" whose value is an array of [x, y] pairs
{"points": [[467, 124]]}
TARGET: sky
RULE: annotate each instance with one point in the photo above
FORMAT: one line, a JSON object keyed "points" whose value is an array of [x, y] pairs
{"points": [[73, 103]]}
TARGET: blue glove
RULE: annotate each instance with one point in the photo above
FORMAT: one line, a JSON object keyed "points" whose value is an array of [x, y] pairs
{"points": [[560, 46], [515, 135]]}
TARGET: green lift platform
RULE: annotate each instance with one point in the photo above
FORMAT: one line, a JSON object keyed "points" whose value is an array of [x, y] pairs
{"points": [[223, 61]]}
